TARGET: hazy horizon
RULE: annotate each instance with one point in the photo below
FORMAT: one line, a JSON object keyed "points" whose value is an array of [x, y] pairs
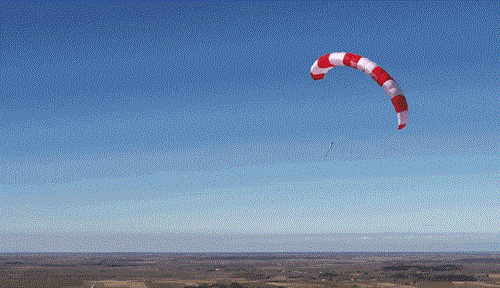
{"points": [[252, 243]]}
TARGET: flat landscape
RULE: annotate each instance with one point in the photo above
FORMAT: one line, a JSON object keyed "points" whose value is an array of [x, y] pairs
{"points": [[241, 270]]}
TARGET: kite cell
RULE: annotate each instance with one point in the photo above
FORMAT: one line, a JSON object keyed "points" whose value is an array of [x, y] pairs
{"points": [[328, 61]]}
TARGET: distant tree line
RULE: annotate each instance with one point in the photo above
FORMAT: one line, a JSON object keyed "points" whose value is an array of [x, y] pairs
{"points": [[432, 278], [422, 268]]}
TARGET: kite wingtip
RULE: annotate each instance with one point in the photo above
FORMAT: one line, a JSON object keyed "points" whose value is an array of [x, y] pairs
{"points": [[317, 76]]}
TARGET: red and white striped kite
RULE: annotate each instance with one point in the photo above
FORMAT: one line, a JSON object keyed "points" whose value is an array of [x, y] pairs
{"points": [[328, 61]]}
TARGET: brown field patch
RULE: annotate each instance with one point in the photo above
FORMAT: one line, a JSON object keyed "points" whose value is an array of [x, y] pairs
{"points": [[124, 283]]}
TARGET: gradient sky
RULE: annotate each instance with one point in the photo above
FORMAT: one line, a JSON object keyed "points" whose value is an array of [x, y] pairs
{"points": [[203, 118]]}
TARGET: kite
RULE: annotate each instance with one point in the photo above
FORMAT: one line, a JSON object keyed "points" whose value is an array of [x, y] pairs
{"points": [[328, 61]]}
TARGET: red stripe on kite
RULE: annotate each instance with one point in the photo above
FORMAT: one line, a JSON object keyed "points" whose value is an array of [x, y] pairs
{"points": [[351, 60], [383, 77], [399, 103], [324, 62], [401, 126], [317, 76], [379, 75]]}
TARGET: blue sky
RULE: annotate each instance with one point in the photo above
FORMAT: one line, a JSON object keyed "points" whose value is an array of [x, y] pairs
{"points": [[202, 118]]}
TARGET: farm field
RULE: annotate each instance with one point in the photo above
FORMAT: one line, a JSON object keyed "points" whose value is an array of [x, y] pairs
{"points": [[242, 270]]}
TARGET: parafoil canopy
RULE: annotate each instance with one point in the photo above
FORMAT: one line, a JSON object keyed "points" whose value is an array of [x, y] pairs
{"points": [[328, 61]]}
